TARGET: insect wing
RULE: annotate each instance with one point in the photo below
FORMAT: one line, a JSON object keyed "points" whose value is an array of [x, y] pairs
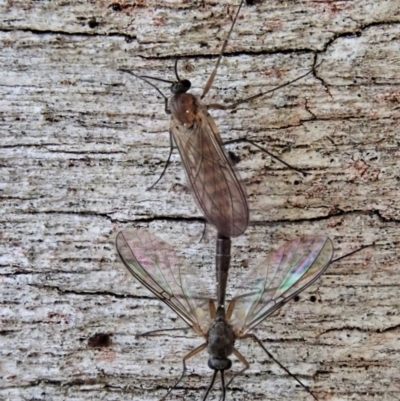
{"points": [[156, 266], [214, 183], [287, 272]]}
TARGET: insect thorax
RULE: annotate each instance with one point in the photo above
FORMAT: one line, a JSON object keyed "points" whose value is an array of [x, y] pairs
{"points": [[221, 340], [184, 108]]}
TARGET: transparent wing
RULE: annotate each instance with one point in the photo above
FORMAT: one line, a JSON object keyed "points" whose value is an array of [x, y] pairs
{"points": [[214, 183], [156, 266], [287, 272]]}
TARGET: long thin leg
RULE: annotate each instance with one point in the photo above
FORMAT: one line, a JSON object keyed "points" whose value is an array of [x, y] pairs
{"points": [[185, 358], [248, 99], [245, 363], [167, 111], [214, 73], [171, 149], [352, 253], [211, 308], [152, 332], [265, 151], [231, 308], [237, 103], [255, 338], [204, 231]]}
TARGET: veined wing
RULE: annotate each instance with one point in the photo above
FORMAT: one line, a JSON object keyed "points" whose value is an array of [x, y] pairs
{"points": [[214, 183], [287, 272], [156, 266]]}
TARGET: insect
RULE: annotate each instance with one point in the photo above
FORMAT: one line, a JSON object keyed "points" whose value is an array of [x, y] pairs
{"points": [[283, 275], [214, 182]]}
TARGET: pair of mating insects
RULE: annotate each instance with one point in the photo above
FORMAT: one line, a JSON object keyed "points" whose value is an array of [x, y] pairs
{"points": [[221, 197]]}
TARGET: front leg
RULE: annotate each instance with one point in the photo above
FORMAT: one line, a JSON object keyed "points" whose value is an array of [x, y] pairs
{"points": [[171, 149]]}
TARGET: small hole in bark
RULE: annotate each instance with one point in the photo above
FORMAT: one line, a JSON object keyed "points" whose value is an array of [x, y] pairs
{"points": [[233, 158], [99, 340], [115, 7], [93, 23]]}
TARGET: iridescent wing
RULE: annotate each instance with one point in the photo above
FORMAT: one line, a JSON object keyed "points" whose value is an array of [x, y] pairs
{"points": [[214, 183], [156, 266], [287, 272]]}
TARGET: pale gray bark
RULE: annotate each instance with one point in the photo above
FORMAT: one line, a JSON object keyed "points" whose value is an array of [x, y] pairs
{"points": [[81, 142]]}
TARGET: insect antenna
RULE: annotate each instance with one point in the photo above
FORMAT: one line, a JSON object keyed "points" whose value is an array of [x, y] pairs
{"points": [[146, 78], [211, 385], [176, 70], [223, 385], [156, 79]]}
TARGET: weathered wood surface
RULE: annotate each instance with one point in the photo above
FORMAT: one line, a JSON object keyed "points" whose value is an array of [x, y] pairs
{"points": [[81, 142]]}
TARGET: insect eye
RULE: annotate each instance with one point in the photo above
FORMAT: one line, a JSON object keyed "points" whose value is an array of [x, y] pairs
{"points": [[180, 86], [186, 84], [219, 364]]}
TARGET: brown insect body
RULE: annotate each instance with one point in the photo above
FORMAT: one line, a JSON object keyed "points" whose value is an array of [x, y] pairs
{"points": [[214, 183], [184, 108]]}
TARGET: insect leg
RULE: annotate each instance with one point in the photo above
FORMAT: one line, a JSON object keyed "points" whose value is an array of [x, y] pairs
{"points": [[265, 151], [152, 332], [211, 307], [255, 338], [233, 106], [204, 231], [185, 358], [214, 73], [230, 309], [245, 363], [237, 103], [171, 148], [353, 252]]}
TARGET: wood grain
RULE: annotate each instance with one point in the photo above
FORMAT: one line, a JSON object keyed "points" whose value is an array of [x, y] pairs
{"points": [[81, 142]]}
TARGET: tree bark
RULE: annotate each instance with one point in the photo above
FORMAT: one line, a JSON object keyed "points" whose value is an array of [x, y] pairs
{"points": [[81, 142]]}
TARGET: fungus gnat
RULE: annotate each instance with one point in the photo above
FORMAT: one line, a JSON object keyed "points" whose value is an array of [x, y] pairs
{"points": [[282, 276], [214, 182]]}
